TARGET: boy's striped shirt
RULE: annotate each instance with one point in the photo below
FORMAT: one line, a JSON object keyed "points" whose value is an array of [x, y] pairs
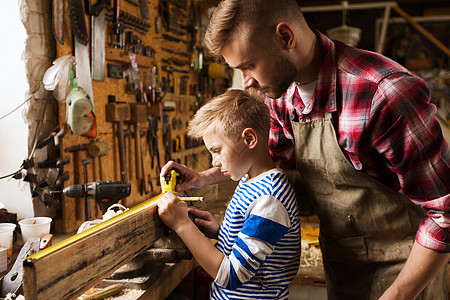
{"points": [[260, 237]]}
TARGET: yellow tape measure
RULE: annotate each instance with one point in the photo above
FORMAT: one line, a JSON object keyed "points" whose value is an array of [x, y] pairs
{"points": [[171, 180]]}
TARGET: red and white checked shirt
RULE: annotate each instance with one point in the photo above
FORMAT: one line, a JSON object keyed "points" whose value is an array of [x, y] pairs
{"points": [[386, 128]]}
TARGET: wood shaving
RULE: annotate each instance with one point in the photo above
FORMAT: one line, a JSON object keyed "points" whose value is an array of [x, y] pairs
{"points": [[311, 255]]}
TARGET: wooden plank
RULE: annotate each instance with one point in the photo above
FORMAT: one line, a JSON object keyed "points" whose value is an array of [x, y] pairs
{"points": [[67, 269], [169, 279]]}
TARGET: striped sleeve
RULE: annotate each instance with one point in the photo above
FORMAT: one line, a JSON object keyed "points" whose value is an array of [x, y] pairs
{"points": [[268, 221]]}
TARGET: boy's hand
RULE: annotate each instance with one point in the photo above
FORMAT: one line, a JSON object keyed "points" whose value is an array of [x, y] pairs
{"points": [[172, 211], [190, 179], [206, 222]]}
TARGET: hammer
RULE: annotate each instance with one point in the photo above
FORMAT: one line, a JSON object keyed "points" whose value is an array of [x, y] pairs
{"points": [[98, 149], [75, 150], [139, 115], [118, 113]]}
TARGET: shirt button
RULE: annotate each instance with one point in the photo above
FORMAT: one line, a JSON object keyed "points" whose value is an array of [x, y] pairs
{"points": [[293, 114]]}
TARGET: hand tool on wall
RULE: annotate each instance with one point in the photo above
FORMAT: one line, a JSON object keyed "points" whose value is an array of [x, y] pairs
{"points": [[99, 148], [77, 21], [135, 3], [54, 163], [152, 139], [145, 179], [81, 40], [170, 38], [54, 137], [167, 139], [87, 204], [54, 176], [170, 69], [105, 193], [175, 61], [163, 13], [118, 113], [145, 12], [11, 283], [138, 115], [193, 26], [128, 136], [117, 30], [76, 161], [97, 13], [58, 20], [180, 53]]}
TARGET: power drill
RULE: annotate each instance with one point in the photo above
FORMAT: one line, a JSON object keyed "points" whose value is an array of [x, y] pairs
{"points": [[105, 193], [171, 179]]}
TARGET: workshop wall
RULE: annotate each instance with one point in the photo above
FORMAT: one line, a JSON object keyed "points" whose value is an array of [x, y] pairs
{"points": [[15, 195], [157, 74]]}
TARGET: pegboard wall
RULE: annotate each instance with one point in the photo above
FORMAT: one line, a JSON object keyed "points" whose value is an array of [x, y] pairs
{"points": [[169, 83]]}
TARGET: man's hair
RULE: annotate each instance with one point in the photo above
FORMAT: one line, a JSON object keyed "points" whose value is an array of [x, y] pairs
{"points": [[229, 114], [254, 18]]}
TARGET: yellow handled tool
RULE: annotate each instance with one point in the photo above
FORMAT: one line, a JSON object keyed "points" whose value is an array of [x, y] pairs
{"points": [[171, 179]]}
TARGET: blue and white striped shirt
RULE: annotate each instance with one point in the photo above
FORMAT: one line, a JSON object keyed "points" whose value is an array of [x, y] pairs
{"points": [[260, 237]]}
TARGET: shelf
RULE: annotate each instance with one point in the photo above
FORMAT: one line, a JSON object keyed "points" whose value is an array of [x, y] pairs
{"points": [[187, 152], [120, 56]]}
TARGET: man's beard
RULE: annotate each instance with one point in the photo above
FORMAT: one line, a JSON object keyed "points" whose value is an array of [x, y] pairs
{"points": [[284, 76]]}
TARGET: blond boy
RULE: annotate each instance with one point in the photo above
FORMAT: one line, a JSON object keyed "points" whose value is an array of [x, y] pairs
{"points": [[258, 249]]}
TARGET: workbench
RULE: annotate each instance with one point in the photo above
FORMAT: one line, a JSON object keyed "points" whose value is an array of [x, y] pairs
{"points": [[79, 262]]}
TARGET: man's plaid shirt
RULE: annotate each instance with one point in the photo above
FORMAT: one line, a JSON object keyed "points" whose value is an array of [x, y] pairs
{"points": [[385, 127]]}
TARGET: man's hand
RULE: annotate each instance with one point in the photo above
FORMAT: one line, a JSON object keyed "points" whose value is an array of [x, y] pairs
{"points": [[206, 222], [172, 211], [420, 268]]}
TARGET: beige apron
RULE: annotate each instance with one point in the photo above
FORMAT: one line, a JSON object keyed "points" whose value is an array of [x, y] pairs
{"points": [[366, 229]]}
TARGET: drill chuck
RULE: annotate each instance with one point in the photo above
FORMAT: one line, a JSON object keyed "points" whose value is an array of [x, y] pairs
{"points": [[74, 191]]}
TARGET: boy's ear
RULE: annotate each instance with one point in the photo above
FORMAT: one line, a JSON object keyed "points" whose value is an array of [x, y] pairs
{"points": [[250, 137]]}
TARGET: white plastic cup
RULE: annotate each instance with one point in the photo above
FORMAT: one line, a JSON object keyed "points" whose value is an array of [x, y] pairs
{"points": [[6, 237], [35, 227]]}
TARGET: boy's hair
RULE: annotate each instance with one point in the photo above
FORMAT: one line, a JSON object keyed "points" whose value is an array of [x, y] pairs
{"points": [[229, 114], [254, 18]]}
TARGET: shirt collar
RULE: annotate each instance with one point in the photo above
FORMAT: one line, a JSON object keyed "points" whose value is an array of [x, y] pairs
{"points": [[325, 92]]}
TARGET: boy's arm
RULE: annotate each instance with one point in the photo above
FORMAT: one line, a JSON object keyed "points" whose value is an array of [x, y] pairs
{"points": [[267, 223], [204, 252], [192, 179], [174, 214]]}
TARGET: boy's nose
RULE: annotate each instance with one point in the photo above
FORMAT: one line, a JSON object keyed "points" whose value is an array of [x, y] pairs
{"points": [[216, 162]]}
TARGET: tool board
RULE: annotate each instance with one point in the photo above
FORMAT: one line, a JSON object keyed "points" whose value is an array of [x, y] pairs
{"points": [[175, 56]]}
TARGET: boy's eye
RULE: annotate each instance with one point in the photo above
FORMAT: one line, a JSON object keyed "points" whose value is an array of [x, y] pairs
{"points": [[216, 151]]}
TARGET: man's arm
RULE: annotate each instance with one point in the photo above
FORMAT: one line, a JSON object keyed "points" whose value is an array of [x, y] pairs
{"points": [[421, 267], [401, 111]]}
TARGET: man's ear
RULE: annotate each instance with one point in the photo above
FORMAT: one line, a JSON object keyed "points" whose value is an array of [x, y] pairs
{"points": [[250, 137], [285, 34]]}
